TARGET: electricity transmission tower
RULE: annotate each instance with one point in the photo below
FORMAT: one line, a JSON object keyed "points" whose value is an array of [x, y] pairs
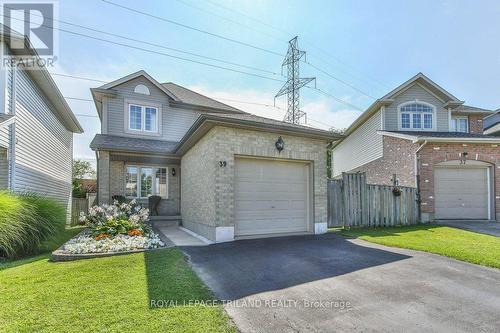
{"points": [[293, 83]]}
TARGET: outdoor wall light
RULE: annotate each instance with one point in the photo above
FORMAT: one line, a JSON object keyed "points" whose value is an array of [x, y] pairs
{"points": [[222, 164], [280, 144], [173, 172]]}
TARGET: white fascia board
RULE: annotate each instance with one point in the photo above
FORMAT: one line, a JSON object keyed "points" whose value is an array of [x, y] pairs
{"points": [[493, 129], [413, 138], [463, 140]]}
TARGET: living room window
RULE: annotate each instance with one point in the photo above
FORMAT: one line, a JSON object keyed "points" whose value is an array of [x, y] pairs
{"points": [[143, 118], [459, 124], [416, 116], [144, 181]]}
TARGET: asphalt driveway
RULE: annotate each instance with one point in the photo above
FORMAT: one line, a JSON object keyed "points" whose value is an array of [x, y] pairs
{"points": [[483, 227], [330, 284]]}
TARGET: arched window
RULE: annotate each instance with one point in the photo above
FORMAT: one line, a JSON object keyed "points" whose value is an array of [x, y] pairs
{"points": [[416, 116], [141, 89]]}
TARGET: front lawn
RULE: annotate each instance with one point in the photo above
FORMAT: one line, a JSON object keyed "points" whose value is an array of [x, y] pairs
{"points": [[112, 294], [455, 243]]}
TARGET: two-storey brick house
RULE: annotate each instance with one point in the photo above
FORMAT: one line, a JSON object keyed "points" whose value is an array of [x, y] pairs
{"points": [[430, 140], [217, 168]]}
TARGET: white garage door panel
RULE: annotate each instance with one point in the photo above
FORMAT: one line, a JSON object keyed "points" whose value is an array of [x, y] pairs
{"points": [[461, 193], [270, 197]]}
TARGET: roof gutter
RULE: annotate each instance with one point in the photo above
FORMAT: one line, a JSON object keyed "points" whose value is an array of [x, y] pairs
{"points": [[211, 121]]}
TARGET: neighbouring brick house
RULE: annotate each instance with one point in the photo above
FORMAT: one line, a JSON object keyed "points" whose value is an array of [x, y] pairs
{"points": [[217, 169], [430, 140]]}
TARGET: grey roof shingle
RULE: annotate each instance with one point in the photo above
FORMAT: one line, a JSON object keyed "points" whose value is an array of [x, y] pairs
{"points": [[468, 108], [4, 117], [267, 121], [191, 97], [444, 134], [120, 143]]}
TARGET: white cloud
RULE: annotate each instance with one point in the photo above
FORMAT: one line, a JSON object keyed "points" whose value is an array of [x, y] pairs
{"points": [[322, 112]]}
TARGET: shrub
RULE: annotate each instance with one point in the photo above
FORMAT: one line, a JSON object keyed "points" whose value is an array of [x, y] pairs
{"points": [[26, 220], [118, 218]]}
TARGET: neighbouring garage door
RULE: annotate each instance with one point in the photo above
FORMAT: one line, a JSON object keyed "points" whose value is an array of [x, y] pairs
{"points": [[271, 197], [461, 193]]}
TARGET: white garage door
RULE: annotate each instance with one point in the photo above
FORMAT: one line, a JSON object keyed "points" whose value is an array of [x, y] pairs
{"points": [[461, 193], [271, 197]]}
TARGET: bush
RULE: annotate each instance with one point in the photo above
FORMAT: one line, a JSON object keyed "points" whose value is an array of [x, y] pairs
{"points": [[27, 220], [118, 218]]}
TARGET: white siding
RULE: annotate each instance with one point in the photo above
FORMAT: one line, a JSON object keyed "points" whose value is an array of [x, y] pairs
{"points": [[44, 147], [174, 123], [416, 92], [362, 146]]}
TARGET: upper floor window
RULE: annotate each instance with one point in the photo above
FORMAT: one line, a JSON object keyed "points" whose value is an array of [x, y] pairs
{"points": [[143, 118], [416, 116], [459, 124], [141, 89]]}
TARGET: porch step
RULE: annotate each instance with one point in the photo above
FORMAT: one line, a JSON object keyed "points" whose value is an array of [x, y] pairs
{"points": [[165, 221]]}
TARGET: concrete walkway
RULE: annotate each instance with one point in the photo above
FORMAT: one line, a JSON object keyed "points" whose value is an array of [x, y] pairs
{"points": [[483, 227], [179, 237]]}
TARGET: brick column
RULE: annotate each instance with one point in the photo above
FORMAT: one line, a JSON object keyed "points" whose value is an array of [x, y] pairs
{"points": [[103, 177]]}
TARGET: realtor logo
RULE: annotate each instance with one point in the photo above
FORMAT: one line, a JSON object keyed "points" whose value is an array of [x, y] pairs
{"points": [[29, 32]]}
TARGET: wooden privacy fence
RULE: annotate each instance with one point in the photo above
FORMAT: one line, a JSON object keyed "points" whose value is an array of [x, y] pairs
{"points": [[353, 202], [81, 205]]}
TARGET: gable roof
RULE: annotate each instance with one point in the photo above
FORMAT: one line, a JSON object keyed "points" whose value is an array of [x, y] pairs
{"points": [[201, 126], [129, 144], [190, 97], [206, 121], [137, 74], [472, 109], [388, 98], [179, 96], [427, 83], [45, 82]]}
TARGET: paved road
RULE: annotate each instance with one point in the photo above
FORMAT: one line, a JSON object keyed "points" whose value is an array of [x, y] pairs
{"points": [[483, 227], [302, 284]]}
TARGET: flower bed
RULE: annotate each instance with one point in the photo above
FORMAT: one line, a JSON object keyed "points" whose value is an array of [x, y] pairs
{"points": [[86, 243], [119, 227]]}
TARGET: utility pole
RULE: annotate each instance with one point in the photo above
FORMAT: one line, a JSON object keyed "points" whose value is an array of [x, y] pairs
{"points": [[293, 83]]}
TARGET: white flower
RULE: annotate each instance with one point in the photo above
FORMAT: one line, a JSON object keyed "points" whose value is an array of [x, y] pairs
{"points": [[85, 243]]}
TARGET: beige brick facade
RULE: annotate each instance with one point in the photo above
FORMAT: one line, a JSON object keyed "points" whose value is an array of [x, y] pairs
{"points": [[112, 182], [208, 188]]}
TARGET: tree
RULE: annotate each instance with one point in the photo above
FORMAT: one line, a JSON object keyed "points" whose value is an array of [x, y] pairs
{"points": [[329, 170], [83, 169]]}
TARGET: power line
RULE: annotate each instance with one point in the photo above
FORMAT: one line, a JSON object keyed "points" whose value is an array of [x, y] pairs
{"points": [[77, 77], [229, 20], [159, 53], [79, 99], [339, 80], [218, 98], [85, 115], [161, 46], [193, 28], [289, 33], [244, 25], [336, 98]]}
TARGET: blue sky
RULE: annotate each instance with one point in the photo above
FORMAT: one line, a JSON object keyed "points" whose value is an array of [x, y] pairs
{"points": [[372, 45]]}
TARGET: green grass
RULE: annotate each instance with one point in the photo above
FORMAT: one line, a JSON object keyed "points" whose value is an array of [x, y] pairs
{"points": [[110, 294], [26, 221], [44, 250], [451, 242]]}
